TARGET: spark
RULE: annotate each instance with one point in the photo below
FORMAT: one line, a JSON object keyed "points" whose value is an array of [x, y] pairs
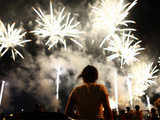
{"points": [[111, 15], [159, 60], [57, 26], [143, 76], [148, 102], [2, 89], [125, 48], [58, 69], [10, 38]]}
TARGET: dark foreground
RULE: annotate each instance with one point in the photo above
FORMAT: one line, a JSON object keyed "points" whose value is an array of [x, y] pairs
{"points": [[34, 116]]}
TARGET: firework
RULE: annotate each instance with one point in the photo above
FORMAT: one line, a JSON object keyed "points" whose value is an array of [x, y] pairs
{"points": [[116, 90], [125, 48], [112, 104], [129, 84], [111, 15], [1, 94], [10, 38], [57, 26], [148, 102], [143, 76], [159, 60], [58, 69]]}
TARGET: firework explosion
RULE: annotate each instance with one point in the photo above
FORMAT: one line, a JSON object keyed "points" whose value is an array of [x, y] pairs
{"points": [[10, 38], [124, 48], [143, 75], [111, 15], [59, 27]]}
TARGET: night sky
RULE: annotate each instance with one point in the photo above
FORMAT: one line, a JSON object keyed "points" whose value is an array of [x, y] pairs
{"points": [[145, 13]]}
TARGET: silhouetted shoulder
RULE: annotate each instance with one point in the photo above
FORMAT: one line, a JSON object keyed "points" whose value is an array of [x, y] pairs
{"points": [[102, 88]]}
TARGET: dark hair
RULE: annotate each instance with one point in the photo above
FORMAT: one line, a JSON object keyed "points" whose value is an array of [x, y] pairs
{"points": [[128, 109], [89, 74], [153, 110], [137, 107]]}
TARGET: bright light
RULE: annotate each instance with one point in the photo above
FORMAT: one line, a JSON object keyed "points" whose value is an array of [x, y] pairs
{"points": [[143, 76], [2, 89], [59, 72], [58, 27], [129, 84], [148, 102], [111, 14], [125, 48], [10, 38], [113, 104]]}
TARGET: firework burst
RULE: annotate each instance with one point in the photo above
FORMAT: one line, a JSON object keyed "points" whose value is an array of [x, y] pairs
{"points": [[10, 38], [57, 26], [143, 76], [125, 48], [111, 15]]}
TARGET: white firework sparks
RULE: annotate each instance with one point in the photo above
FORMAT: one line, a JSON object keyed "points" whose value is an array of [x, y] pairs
{"points": [[148, 102], [59, 72], [159, 60], [2, 89], [143, 76], [57, 27], [10, 38], [124, 48], [111, 15], [129, 84]]}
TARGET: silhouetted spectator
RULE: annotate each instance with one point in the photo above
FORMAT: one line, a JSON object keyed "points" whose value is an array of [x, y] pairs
{"points": [[129, 114], [122, 115], [91, 99], [157, 104], [154, 115], [138, 115], [115, 114]]}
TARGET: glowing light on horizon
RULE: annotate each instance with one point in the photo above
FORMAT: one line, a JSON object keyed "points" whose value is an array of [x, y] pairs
{"points": [[57, 26], [10, 39], [111, 15], [125, 48], [143, 76], [2, 89]]}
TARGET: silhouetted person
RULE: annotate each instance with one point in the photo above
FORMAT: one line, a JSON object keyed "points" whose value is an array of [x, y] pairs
{"points": [[154, 115], [129, 114], [90, 99], [138, 115], [122, 115], [115, 114]]}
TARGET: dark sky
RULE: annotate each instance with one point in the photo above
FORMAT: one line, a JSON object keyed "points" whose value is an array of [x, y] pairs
{"points": [[146, 14]]}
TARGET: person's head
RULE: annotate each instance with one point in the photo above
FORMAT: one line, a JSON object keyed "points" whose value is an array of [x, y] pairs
{"points": [[137, 107], [153, 110], [89, 74], [128, 109]]}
